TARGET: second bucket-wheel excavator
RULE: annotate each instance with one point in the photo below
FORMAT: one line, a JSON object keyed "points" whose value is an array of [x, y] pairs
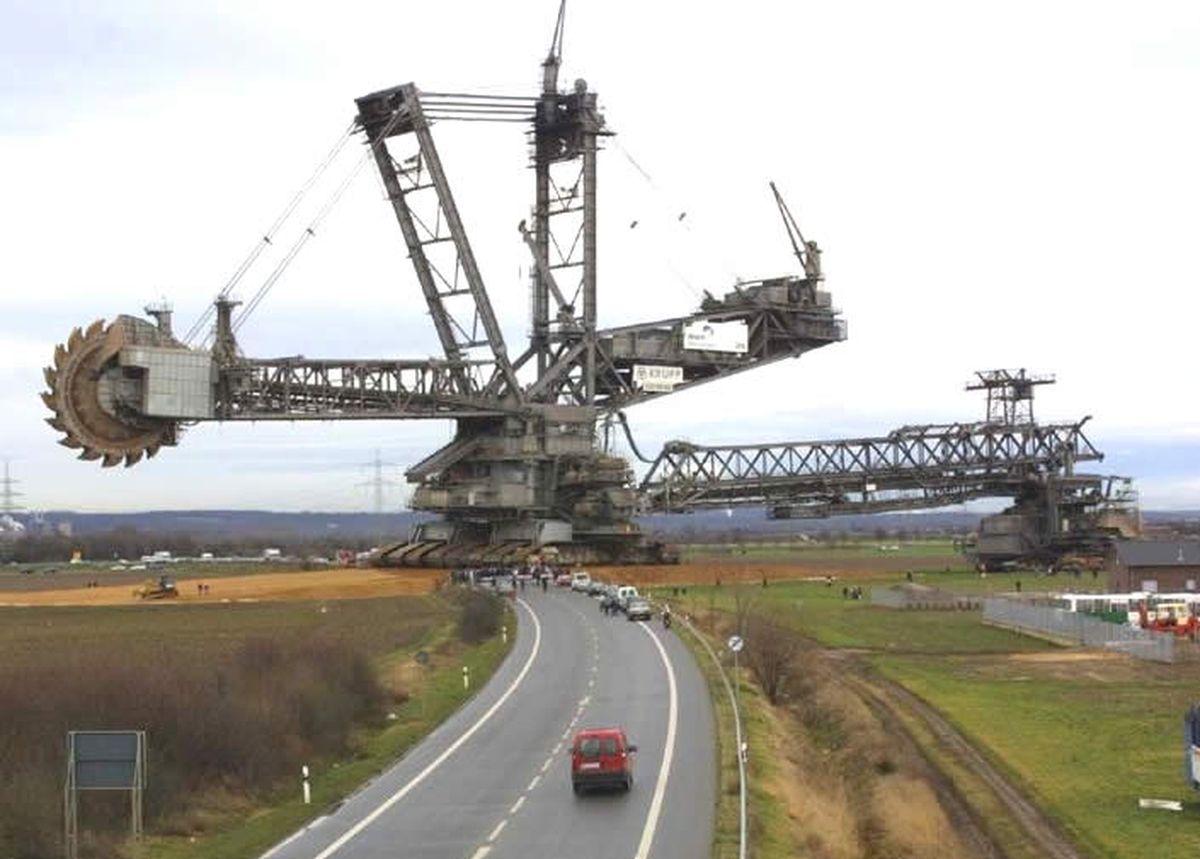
{"points": [[525, 468]]}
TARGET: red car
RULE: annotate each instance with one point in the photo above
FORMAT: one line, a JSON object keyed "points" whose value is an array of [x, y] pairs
{"points": [[601, 757]]}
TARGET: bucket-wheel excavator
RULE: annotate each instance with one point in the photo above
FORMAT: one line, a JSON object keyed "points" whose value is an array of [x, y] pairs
{"points": [[525, 469]]}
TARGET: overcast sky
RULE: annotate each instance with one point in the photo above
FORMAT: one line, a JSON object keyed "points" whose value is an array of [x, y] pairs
{"points": [[994, 185]]}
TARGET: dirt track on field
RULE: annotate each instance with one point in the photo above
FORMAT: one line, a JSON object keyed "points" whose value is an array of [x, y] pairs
{"points": [[1042, 831], [342, 583]]}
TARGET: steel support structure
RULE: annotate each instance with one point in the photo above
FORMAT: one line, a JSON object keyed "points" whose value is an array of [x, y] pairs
{"points": [[303, 389], [458, 282], [924, 466]]}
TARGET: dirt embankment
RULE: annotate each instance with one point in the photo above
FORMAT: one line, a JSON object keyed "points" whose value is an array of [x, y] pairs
{"points": [[856, 783], [851, 785], [341, 583]]}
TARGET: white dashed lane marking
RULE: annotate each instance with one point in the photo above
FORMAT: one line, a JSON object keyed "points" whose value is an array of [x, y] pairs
{"points": [[499, 828], [517, 806], [533, 783]]}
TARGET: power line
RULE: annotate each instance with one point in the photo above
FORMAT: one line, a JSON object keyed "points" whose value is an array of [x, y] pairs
{"points": [[8, 495], [377, 481]]}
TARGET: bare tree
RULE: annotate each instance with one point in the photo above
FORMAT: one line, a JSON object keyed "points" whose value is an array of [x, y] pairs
{"points": [[743, 604], [771, 651]]}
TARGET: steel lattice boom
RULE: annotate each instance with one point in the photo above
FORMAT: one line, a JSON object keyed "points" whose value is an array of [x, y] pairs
{"points": [[911, 467]]}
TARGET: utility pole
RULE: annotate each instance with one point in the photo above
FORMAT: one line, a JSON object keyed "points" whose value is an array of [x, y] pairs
{"points": [[377, 484], [8, 495], [377, 481]]}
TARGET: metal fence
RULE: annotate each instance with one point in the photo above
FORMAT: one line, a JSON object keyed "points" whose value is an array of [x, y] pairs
{"points": [[931, 601], [1080, 629]]}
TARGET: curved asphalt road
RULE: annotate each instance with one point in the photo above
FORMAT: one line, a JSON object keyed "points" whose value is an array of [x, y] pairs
{"points": [[493, 781]]}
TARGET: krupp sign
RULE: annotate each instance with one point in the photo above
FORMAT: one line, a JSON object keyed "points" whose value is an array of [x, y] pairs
{"points": [[657, 379], [716, 336]]}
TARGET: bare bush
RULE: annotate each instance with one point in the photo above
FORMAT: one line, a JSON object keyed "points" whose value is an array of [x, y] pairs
{"points": [[771, 652], [481, 616], [241, 722], [743, 604]]}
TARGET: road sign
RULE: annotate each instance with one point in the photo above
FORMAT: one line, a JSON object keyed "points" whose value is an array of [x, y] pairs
{"points": [[107, 760], [735, 643], [103, 760]]}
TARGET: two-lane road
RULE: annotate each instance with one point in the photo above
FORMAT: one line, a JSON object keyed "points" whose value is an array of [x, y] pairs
{"points": [[493, 781]]}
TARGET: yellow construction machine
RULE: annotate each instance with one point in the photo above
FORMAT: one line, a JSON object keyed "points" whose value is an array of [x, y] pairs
{"points": [[156, 589]]}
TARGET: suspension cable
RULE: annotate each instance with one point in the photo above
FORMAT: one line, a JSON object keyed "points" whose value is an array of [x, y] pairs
{"points": [[305, 235], [268, 236], [311, 229], [677, 216]]}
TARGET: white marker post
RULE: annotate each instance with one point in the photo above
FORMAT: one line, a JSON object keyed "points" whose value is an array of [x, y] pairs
{"points": [[304, 785], [466, 678], [504, 634]]}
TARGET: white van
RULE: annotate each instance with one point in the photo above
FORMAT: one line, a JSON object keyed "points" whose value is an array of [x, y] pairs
{"points": [[580, 581], [625, 593]]}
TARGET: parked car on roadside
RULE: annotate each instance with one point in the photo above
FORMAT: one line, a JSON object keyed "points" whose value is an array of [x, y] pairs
{"points": [[580, 581]]}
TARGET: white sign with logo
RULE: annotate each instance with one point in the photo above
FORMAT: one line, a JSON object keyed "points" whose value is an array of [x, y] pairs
{"points": [[735, 643], [717, 336], [657, 379]]}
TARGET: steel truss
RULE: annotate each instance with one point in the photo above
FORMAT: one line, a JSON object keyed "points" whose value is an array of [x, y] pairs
{"points": [[303, 389], [913, 467]]}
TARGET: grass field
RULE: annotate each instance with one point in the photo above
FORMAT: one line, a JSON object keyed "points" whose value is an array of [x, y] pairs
{"points": [[857, 549], [1086, 733], [1088, 737], [52, 635], [821, 612]]}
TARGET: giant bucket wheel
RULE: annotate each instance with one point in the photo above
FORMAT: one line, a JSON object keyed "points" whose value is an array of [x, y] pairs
{"points": [[83, 395]]}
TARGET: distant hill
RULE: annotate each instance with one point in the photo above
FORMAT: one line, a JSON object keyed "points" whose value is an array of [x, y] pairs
{"points": [[266, 523], [241, 523]]}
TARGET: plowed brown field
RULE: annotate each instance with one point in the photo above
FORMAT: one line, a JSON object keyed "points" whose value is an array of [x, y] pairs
{"points": [[342, 583], [352, 583]]}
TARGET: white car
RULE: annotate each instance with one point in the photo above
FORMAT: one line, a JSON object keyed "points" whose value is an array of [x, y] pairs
{"points": [[580, 581], [625, 593]]}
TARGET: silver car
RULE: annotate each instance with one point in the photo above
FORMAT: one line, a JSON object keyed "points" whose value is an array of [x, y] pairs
{"points": [[638, 609]]}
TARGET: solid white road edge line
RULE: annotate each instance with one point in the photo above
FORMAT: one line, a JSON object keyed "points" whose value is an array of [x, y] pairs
{"points": [[664, 770], [451, 749]]}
